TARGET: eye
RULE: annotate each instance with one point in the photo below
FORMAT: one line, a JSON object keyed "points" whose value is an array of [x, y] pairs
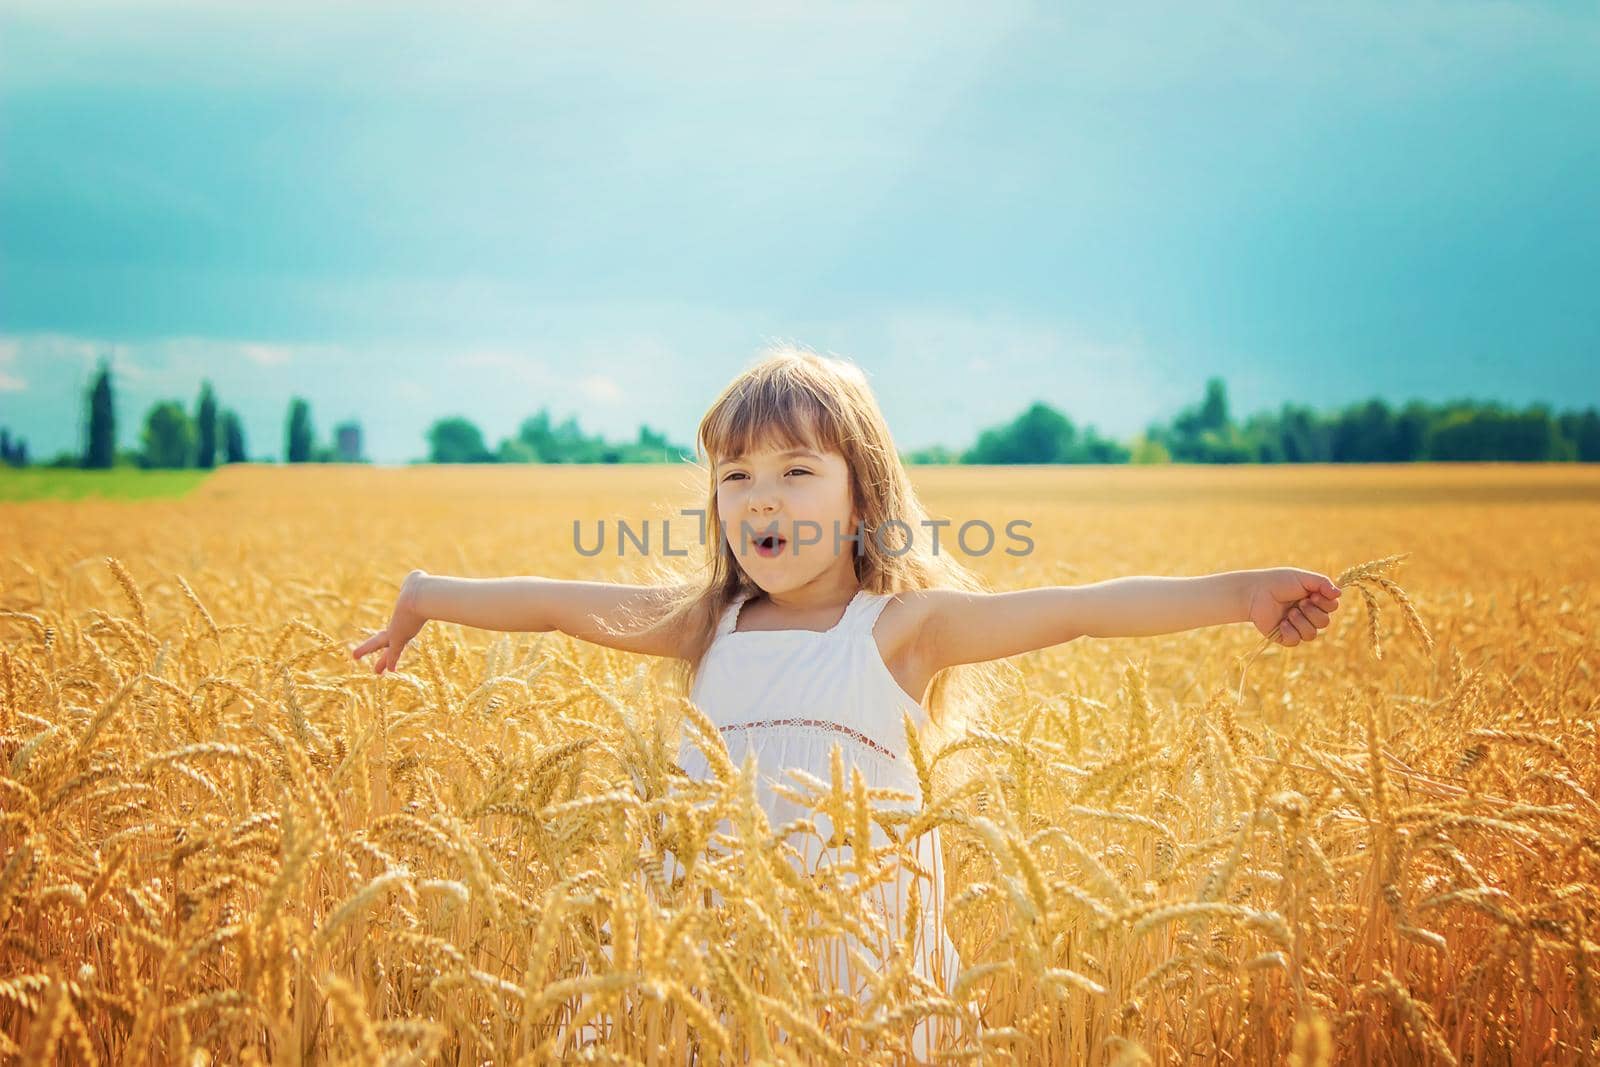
{"points": [[740, 474]]}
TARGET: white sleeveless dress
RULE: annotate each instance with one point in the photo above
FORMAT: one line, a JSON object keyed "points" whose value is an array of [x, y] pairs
{"points": [[790, 696]]}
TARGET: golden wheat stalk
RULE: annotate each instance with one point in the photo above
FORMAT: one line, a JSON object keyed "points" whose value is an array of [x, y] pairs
{"points": [[1362, 576]]}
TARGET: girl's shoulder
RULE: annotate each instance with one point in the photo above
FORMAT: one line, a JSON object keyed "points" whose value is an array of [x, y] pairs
{"points": [[908, 615], [902, 618], [901, 623]]}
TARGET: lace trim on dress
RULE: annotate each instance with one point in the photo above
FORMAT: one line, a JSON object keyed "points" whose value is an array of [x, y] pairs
{"points": [[824, 724]]}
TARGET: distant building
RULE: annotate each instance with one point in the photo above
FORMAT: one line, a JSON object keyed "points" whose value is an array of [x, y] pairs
{"points": [[15, 452], [347, 440]]}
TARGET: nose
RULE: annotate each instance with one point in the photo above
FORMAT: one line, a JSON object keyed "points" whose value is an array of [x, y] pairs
{"points": [[763, 501], [763, 514]]}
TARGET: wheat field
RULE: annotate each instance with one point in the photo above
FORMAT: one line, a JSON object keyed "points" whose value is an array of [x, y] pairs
{"points": [[223, 841]]}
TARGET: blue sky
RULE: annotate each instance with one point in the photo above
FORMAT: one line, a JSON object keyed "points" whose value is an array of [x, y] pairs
{"points": [[403, 211]]}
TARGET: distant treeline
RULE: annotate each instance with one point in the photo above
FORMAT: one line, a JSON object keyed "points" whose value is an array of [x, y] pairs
{"points": [[457, 440], [173, 437], [1368, 432]]}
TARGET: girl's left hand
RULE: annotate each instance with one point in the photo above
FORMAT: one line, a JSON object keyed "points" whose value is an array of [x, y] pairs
{"points": [[404, 624], [1292, 602]]}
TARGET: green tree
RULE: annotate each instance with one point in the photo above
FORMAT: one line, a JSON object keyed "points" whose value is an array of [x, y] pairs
{"points": [[1147, 450], [1042, 434], [1092, 448], [515, 450], [572, 446], [205, 417], [457, 440], [1301, 436], [169, 436], [1213, 413], [1204, 433], [298, 433], [1365, 433], [13, 454], [536, 435], [651, 447], [933, 455], [1495, 434], [100, 428], [1410, 431], [1039, 435], [232, 438], [1582, 429], [537, 441]]}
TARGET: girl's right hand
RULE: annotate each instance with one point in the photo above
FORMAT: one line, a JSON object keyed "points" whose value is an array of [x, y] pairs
{"points": [[404, 624]]}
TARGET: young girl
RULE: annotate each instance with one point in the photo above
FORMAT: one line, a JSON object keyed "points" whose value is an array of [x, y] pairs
{"points": [[827, 608]]}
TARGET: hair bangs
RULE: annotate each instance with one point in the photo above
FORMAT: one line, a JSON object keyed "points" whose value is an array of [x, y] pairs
{"points": [[769, 412]]}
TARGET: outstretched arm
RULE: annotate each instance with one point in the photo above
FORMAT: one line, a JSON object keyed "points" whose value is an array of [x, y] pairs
{"points": [[962, 627], [585, 610]]}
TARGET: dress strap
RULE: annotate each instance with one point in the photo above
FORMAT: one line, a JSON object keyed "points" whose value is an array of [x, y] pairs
{"points": [[863, 612], [730, 614]]}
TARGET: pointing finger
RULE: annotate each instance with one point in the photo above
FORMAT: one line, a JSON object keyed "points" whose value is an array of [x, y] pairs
{"points": [[377, 640]]}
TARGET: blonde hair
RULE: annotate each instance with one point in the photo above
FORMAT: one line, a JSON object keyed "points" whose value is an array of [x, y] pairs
{"points": [[793, 397]]}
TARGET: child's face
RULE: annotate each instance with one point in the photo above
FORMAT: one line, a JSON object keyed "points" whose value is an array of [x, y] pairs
{"points": [[803, 497]]}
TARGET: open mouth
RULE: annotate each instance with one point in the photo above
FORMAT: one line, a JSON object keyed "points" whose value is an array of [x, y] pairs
{"points": [[769, 546]]}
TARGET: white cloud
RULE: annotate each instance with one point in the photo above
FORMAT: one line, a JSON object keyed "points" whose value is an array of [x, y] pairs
{"points": [[548, 367], [266, 355], [10, 348], [432, 47], [599, 388], [156, 365], [507, 48], [190, 353], [38, 347], [519, 368], [1109, 381]]}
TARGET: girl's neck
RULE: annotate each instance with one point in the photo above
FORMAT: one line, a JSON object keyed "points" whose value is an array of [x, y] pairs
{"points": [[824, 593]]}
